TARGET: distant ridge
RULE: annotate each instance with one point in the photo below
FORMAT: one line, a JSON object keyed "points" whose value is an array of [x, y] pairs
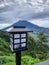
{"points": [[31, 26]]}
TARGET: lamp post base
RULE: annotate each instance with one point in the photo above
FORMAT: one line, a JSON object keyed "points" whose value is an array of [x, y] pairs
{"points": [[18, 58]]}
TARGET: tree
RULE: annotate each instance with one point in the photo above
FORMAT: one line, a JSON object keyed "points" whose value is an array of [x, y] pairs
{"points": [[38, 48], [42, 47], [42, 37]]}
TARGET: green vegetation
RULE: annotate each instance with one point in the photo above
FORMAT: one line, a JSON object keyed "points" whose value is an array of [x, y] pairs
{"points": [[4, 35], [26, 60], [42, 37], [4, 47], [38, 49]]}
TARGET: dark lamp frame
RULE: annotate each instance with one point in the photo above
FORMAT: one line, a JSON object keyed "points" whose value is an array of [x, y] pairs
{"points": [[20, 48]]}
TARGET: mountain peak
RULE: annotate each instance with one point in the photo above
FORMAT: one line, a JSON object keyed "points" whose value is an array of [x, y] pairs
{"points": [[24, 23], [21, 23]]}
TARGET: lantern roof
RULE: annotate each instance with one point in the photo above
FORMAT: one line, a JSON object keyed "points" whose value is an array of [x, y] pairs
{"points": [[18, 29]]}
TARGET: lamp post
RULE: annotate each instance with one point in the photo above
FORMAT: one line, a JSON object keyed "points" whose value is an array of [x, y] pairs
{"points": [[18, 41]]}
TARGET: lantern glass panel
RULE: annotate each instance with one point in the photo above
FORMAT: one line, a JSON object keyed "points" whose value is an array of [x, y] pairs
{"points": [[23, 45], [17, 46], [16, 41], [23, 35], [23, 40], [16, 35]]}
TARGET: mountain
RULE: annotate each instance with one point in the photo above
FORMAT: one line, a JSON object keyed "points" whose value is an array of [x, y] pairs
{"points": [[31, 26]]}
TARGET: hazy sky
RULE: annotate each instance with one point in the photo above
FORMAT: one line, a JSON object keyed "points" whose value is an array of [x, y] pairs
{"points": [[36, 11]]}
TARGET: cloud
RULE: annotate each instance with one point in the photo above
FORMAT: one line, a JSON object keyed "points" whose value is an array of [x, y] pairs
{"points": [[4, 25], [28, 10], [41, 22]]}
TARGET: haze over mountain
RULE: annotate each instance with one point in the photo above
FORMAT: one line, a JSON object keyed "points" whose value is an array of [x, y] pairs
{"points": [[29, 25]]}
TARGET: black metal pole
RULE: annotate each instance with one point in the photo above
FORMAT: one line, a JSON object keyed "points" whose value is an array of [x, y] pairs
{"points": [[18, 58]]}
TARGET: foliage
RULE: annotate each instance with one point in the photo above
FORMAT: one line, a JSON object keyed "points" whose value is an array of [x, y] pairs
{"points": [[10, 63], [26, 60], [7, 59], [42, 37], [38, 48], [4, 47], [4, 35]]}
